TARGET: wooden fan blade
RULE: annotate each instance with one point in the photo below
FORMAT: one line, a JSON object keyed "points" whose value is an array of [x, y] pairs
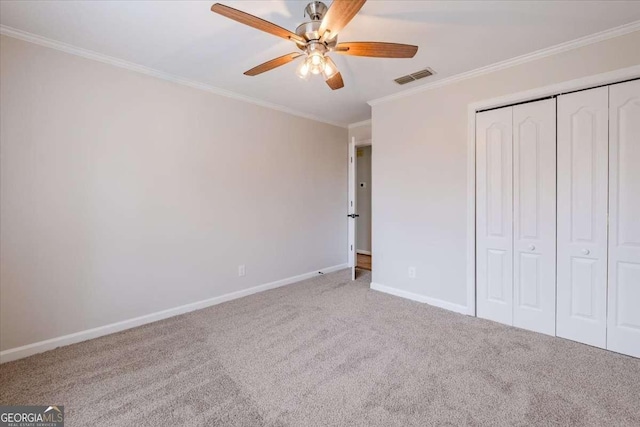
{"points": [[255, 22], [377, 49], [335, 82], [274, 63], [340, 13]]}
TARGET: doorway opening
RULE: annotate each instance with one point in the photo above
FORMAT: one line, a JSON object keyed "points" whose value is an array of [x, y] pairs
{"points": [[360, 213], [363, 196]]}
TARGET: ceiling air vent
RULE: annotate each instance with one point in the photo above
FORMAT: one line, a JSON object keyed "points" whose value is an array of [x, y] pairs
{"points": [[414, 76]]}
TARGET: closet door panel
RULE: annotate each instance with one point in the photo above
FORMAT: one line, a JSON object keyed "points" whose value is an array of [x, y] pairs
{"points": [[582, 216], [534, 211], [494, 235], [623, 323]]}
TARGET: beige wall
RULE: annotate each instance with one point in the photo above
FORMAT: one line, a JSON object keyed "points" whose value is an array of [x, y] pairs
{"points": [[361, 132], [122, 194], [420, 167]]}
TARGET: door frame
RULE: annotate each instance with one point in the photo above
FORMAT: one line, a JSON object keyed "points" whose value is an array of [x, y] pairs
{"points": [[589, 82]]}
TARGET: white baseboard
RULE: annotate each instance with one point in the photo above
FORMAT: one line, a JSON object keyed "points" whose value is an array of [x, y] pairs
{"points": [[50, 344], [360, 251], [462, 309]]}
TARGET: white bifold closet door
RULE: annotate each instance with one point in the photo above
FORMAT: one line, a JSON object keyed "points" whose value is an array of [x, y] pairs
{"points": [[515, 215], [582, 216], [623, 326], [494, 223], [534, 216]]}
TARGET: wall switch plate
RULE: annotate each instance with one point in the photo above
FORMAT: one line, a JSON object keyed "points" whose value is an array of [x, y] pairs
{"points": [[241, 270], [412, 272]]}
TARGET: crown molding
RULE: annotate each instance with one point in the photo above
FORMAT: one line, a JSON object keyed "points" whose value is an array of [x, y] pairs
{"points": [[539, 54], [358, 124], [131, 66]]}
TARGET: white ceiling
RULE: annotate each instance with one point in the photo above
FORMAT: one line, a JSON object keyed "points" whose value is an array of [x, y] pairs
{"points": [[185, 39]]}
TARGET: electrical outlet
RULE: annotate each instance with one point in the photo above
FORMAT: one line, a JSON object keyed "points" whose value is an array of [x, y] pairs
{"points": [[241, 270], [412, 272]]}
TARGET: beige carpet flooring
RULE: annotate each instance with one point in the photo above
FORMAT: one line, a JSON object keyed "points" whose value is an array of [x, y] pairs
{"points": [[328, 352]]}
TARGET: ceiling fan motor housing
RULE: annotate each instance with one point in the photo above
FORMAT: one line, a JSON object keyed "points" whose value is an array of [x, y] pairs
{"points": [[316, 10], [309, 30]]}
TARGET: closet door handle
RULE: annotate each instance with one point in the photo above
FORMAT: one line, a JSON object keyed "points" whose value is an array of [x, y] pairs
{"points": [[532, 248], [586, 252]]}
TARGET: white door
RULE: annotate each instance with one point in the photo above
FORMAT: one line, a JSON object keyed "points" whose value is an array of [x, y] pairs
{"points": [[352, 207], [494, 234], [582, 216], [623, 323], [534, 216]]}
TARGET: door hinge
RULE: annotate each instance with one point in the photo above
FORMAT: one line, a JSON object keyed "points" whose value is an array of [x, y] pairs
{"points": [[351, 247], [351, 159]]}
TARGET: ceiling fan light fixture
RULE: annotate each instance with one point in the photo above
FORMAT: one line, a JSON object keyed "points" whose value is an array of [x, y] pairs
{"points": [[304, 71], [316, 62], [316, 69], [330, 69], [316, 58]]}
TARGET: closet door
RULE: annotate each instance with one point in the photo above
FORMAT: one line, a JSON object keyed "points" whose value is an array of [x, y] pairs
{"points": [[534, 216], [623, 323], [494, 234], [582, 216]]}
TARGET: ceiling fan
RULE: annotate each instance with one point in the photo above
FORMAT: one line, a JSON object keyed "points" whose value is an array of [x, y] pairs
{"points": [[316, 38]]}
